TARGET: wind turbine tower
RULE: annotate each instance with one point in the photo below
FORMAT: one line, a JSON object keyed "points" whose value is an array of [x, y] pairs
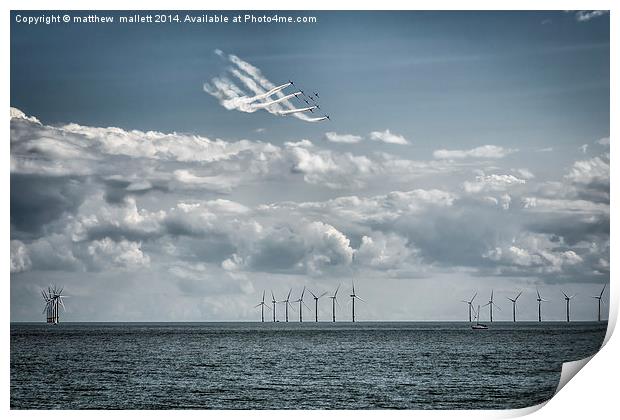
{"points": [[514, 306], [540, 300], [334, 301], [262, 308], [599, 297], [274, 301], [353, 297], [567, 299], [490, 305], [301, 302], [287, 304], [469, 303], [316, 305]]}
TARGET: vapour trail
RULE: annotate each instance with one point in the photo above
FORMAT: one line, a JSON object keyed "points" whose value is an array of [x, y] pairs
{"points": [[233, 97], [315, 119], [293, 111], [277, 101]]}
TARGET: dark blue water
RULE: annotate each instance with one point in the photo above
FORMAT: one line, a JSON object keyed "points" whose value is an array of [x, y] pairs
{"points": [[289, 366]]}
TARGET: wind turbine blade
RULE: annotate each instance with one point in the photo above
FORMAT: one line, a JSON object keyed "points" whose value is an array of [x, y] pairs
{"points": [[289, 294], [497, 307], [302, 293], [482, 305], [258, 305], [473, 297], [268, 307], [306, 305], [313, 295], [263, 295], [520, 293], [324, 293], [357, 297], [353, 286], [538, 293], [564, 294], [570, 297], [601, 295], [272, 296], [336, 292]]}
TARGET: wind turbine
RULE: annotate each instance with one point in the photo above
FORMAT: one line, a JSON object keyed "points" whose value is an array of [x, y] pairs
{"points": [[514, 306], [599, 297], [301, 301], [287, 304], [334, 301], [53, 298], [540, 300], [567, 299], [469, 302], [490, 305], [274, 301], [316, 305], [353, 297], [262, 308]]}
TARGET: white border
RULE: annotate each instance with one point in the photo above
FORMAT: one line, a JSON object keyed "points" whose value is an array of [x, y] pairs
{"points": [[592, 394]]}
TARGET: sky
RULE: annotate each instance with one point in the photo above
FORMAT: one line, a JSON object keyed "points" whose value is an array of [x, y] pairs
{"points": [[465, 152]]}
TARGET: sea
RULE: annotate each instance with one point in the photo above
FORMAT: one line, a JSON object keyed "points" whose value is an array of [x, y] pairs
{"points": [[245, 365]]}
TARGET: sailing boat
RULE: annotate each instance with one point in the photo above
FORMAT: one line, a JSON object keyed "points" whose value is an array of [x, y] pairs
{"points": [[478, 325]]}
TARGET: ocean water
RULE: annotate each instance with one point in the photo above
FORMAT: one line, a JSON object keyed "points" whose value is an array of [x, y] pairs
{"points": [[374, 365]]}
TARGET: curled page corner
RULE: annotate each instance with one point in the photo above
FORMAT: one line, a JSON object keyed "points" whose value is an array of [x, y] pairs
{"points": [[569, 370]]}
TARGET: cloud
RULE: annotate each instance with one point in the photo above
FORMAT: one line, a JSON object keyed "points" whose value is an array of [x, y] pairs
{"points": [[586, 15], [20, 261], [124, 255], [387, 137], [524, 173], [101, 200], [493, 182], [342, 138], [603, 141], [591, 171], [488, 151]]}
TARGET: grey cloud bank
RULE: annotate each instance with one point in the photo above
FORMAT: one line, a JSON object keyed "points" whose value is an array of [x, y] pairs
{"points": [[162, 218]]}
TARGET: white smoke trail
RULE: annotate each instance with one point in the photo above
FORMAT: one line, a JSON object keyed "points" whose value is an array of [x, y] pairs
{"points": [[316, 119], [232, 97], [293, 111], [277, 101]]}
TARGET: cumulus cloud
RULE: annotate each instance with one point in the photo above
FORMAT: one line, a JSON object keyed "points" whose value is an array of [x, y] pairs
{"points": [[493, 182], [342, 138], [20, 260], [488, 151], [214, 215], [595, 170], [125, 255], [388, 137], [586, 15]]}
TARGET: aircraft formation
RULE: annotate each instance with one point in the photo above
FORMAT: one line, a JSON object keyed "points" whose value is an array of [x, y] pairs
{"points": [[311, 100]]}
